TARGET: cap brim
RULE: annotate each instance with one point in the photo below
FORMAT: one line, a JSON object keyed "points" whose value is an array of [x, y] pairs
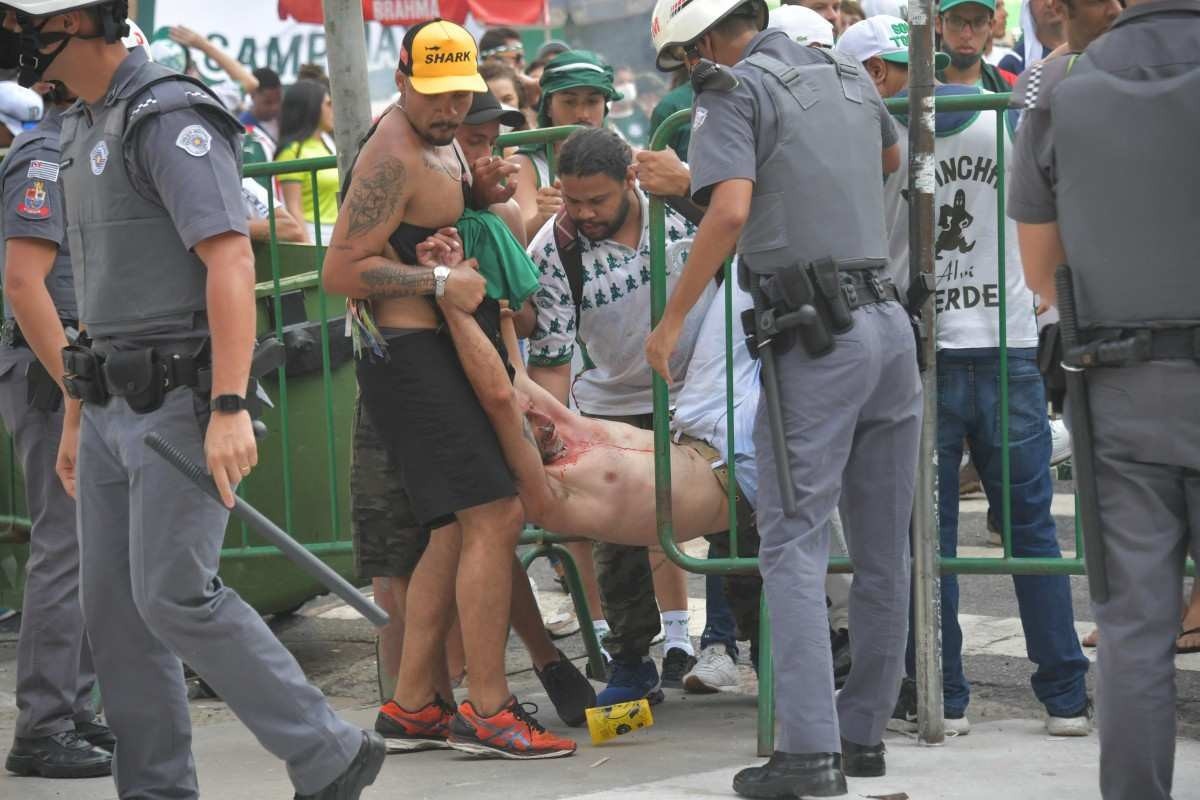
{"points": [[449, 83], [507, 116], [940, 60]]}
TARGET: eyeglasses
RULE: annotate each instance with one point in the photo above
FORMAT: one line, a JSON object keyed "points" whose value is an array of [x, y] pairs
{"points": [[959, 24]]}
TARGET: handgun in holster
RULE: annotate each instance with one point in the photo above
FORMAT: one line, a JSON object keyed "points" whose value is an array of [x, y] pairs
{"points": [[83, 373], [785, 312], [919, 292]]}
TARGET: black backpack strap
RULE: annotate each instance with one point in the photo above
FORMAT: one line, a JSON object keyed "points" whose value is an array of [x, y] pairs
{"points": [[566, 239]]}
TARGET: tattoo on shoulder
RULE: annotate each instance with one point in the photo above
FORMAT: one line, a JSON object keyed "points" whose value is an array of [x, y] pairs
{"points": [[397, 280], [374, 196]]}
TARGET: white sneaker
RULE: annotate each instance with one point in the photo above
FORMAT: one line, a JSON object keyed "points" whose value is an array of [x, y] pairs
{"points": [[1060, 442], [714, 672], [1069, 726], [960, 726]]}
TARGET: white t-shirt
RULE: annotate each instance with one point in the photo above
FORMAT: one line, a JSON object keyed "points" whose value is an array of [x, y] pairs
{"points": [[700, 408], [965, 231], [255, 199], [615, 311]]}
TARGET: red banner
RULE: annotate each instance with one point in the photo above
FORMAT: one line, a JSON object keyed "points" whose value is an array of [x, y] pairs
{"points": [[408, 12]]}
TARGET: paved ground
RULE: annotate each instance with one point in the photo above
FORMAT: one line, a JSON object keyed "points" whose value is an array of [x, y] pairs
{"points": [[697, 743]]}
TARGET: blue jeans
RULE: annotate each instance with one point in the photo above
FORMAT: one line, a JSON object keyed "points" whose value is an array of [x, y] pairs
{"points": [[969, 408], [719, 625]]}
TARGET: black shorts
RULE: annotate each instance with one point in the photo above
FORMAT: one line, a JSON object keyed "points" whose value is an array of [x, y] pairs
{"points": [[426, 412]]}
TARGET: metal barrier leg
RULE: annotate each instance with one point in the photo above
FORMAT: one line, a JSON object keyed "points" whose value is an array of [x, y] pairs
{"points": [[575, 587], [766, 683]]}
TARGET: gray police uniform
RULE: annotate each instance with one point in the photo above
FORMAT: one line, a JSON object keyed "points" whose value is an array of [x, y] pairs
{"points": [[1133, 273], [150, 171], [54, 661], [853, 416]]}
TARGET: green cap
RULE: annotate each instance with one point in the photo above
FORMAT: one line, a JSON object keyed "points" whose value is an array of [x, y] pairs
{"points": [[946, 5], [575, 69]]}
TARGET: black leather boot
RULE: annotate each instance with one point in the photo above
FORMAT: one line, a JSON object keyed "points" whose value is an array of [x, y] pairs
{"points": [[359, 774], [97, 734], [863, 761], [793, 775], [60, 755]]}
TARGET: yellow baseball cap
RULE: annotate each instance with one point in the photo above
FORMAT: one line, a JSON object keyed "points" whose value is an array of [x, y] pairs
{"points": [[439, 56]]}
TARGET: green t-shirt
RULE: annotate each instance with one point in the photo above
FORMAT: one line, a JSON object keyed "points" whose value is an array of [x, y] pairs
{"points": [[509, 272], [677, 99]]}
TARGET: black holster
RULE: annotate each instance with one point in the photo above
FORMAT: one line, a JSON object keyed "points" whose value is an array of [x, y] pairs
{"points": [[919, 292], [1050, 358], [42, 392], [84, 376], [785, 311]]}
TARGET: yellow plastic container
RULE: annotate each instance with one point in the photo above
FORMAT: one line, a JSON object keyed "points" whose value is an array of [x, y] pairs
{"points": [[609, 722]]}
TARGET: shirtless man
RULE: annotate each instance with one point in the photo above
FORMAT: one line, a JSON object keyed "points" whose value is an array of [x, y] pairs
{"points": [[421, 404], [594, 478]]}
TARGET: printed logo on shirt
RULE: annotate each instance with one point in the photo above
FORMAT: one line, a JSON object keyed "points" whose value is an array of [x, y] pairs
{"points": [[699, 117], [195, 141], [99, 158], [34, 204], [953, 220], [43, 171]]}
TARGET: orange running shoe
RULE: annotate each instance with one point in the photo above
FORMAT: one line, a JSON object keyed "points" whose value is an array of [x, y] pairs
{"points": [[410, 731], [510, 733]]}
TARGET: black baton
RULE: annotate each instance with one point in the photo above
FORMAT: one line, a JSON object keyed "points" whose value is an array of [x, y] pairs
{"points": [[264, 527], [771, 399], [1081, 438]]}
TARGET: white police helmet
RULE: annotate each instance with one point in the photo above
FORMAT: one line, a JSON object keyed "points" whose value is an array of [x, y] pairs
{"points": [[678, 23]]}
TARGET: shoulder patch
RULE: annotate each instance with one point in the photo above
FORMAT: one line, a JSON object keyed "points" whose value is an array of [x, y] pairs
{"points": [[34, 204], [699, 117], [195, 140], [43, 170], [99, 157]]}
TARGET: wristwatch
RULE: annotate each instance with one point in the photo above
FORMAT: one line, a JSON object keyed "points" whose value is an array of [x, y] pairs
{"points": [[440, 276], [228, 404]]}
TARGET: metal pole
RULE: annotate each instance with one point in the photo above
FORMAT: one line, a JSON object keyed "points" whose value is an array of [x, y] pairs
{"points": [[926, 577], [346, 37]]}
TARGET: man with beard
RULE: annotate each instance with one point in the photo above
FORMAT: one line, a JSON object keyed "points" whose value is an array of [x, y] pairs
{"points": [[409, 182], [577, 87], [601, 298], [964, 26]]}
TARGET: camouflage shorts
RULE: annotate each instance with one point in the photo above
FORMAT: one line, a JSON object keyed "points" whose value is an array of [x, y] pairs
{"points": [[388, 542]]}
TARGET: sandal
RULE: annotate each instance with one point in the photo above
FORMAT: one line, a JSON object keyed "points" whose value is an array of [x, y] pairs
{"points": [[1182, 649]]}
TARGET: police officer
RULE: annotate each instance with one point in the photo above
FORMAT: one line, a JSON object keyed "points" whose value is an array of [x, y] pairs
{"points": [[842, 398], [164, 280], [1076, 179], [57, 732]]}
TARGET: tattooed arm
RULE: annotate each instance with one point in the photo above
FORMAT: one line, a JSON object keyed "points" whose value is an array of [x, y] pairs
{"points": [[354, 263]]}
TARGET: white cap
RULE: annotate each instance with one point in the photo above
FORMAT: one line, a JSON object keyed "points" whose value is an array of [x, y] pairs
{"points": [[803, 24], [893, 8], [18, 106], [883, 36]]}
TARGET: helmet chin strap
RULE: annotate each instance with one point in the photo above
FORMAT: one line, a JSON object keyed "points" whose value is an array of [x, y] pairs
{"points": [[32, 63]]}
